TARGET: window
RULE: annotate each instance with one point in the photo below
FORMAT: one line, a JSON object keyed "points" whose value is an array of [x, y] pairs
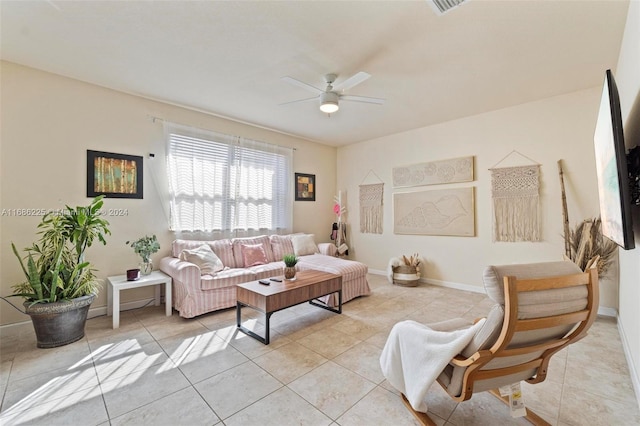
{"points": [[227, 184]]}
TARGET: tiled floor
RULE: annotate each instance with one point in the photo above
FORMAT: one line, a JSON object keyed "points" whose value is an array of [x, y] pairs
{"points": [[320, 369]]}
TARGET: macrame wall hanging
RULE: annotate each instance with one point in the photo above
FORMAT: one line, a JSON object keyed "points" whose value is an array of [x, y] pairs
{"points": [[371, 207], [516, 202]]}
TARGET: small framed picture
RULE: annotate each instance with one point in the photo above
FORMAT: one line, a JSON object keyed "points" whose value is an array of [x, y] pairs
{"points": [[114, 175], [305, 187]]}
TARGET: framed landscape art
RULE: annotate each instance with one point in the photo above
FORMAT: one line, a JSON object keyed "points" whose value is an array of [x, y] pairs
{"points": [[114, 175]]}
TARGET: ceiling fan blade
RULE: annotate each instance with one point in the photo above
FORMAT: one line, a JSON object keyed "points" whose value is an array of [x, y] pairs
{"points": [[352, 81], [301, 84], [364, 99], [315, 98]]}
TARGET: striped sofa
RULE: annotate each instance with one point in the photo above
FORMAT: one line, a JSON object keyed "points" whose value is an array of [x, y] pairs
{"points": [[195, 294]]}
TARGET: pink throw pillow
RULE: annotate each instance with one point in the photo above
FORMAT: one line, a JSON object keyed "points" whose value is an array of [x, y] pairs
{"points": [[253, 255]]}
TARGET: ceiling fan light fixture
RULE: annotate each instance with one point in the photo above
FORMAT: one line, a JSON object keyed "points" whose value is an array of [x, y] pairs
{"points": [[329, 102]]}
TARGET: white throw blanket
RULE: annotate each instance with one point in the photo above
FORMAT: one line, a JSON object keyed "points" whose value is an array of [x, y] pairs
{"points": [[415, 355]]}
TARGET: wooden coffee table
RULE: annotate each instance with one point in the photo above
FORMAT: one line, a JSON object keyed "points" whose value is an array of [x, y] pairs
{"points": [[307, 286]]}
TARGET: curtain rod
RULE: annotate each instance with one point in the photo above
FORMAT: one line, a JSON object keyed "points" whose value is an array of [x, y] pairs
{"points": [[154, 119]]}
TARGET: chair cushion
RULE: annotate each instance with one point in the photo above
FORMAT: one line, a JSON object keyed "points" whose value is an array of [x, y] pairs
{"points": [[493, 276], [488, 334], [204, 258]]}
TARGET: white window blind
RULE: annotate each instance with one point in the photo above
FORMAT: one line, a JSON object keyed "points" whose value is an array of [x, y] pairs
{"points": [[227, 184]]}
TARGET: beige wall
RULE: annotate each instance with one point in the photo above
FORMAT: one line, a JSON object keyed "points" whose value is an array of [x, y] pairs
{"points": [[48, 123], [628, 81], [546, 131]]}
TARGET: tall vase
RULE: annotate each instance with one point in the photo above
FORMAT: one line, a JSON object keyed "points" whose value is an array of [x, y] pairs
{"points": [[146, 267]]}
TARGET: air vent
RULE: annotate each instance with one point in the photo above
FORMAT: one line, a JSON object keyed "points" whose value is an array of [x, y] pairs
{"points": [[443, 6]]}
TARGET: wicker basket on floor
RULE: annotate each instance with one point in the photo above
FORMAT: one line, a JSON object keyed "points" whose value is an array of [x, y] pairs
{"points": [[405, 276]]}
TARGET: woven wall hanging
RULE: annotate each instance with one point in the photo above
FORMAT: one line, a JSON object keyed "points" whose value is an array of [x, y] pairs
{"points": [[516, 203], [371, 208]]}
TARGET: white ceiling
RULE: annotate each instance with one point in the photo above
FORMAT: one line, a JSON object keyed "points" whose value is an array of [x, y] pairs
{"points": [[227, 58]]}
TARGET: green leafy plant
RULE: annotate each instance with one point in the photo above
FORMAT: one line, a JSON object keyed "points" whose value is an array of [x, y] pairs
{"points": [[290, 260], [55, 265], [145, 247]]}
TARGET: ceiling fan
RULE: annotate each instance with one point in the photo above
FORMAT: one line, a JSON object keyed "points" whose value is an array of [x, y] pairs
{"points": [[330, 97]]}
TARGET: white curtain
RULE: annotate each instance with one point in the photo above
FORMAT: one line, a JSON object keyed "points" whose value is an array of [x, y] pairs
{"points": [[227, 184]]}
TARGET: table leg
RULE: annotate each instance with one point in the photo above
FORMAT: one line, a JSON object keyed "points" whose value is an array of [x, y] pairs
{"points": [[116, 308], [167, 298], [157, 289], [248, 332], [266, 324], [109, 298]]}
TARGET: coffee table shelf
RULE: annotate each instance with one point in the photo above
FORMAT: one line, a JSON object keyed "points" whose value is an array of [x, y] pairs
{"points": [[308, 285]]}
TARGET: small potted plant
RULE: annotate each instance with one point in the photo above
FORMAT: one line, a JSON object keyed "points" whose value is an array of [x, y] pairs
{"points": [[290, 261], [145, 247]]}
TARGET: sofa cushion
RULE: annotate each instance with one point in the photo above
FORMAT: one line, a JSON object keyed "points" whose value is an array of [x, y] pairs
{"points": [[237, 244], [253, 254], [204, 258], [349, 269], [273, 269], [281, 245], [222, 249], [226, 278], [304, 244]]}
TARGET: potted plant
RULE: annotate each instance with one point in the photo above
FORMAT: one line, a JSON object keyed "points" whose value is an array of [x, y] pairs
{"points": [[60, 284], [290, 261], [145, 247]]}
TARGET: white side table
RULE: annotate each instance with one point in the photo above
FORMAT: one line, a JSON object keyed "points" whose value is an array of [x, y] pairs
{"points": [[119, 282]]}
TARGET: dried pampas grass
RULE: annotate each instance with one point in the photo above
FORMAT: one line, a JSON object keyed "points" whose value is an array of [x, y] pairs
{"points": [[415, 260], [587, 241]]}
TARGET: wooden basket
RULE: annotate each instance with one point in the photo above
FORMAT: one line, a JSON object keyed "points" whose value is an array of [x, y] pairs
{"points": [[405, 276]]}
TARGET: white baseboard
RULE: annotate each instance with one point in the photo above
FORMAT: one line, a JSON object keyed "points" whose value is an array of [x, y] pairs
{"points": [[136, 304], [602, 310], [635, 374], [93, 312], [607, 312], [457, 286]]}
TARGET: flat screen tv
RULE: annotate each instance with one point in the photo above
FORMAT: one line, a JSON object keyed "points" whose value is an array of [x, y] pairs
{"points": [[611, 167]]}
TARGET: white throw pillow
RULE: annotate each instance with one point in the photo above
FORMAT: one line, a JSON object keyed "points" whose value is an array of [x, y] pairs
{"points": [[304, 244], [205, 258]]}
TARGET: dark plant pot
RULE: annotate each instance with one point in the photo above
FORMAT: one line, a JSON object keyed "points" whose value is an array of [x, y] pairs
{"points": [[59, 323]]}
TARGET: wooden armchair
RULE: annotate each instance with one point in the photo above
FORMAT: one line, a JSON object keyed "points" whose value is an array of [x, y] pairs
{"points": [[540, 309]]}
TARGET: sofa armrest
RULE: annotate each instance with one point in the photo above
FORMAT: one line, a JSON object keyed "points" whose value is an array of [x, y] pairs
{"points": [[180, 270], [327, 249]]}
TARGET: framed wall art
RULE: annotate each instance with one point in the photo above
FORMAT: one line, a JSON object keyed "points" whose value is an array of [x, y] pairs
{"points": [[434, 172], [114, 175], [437, 212], [305, 187]]}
